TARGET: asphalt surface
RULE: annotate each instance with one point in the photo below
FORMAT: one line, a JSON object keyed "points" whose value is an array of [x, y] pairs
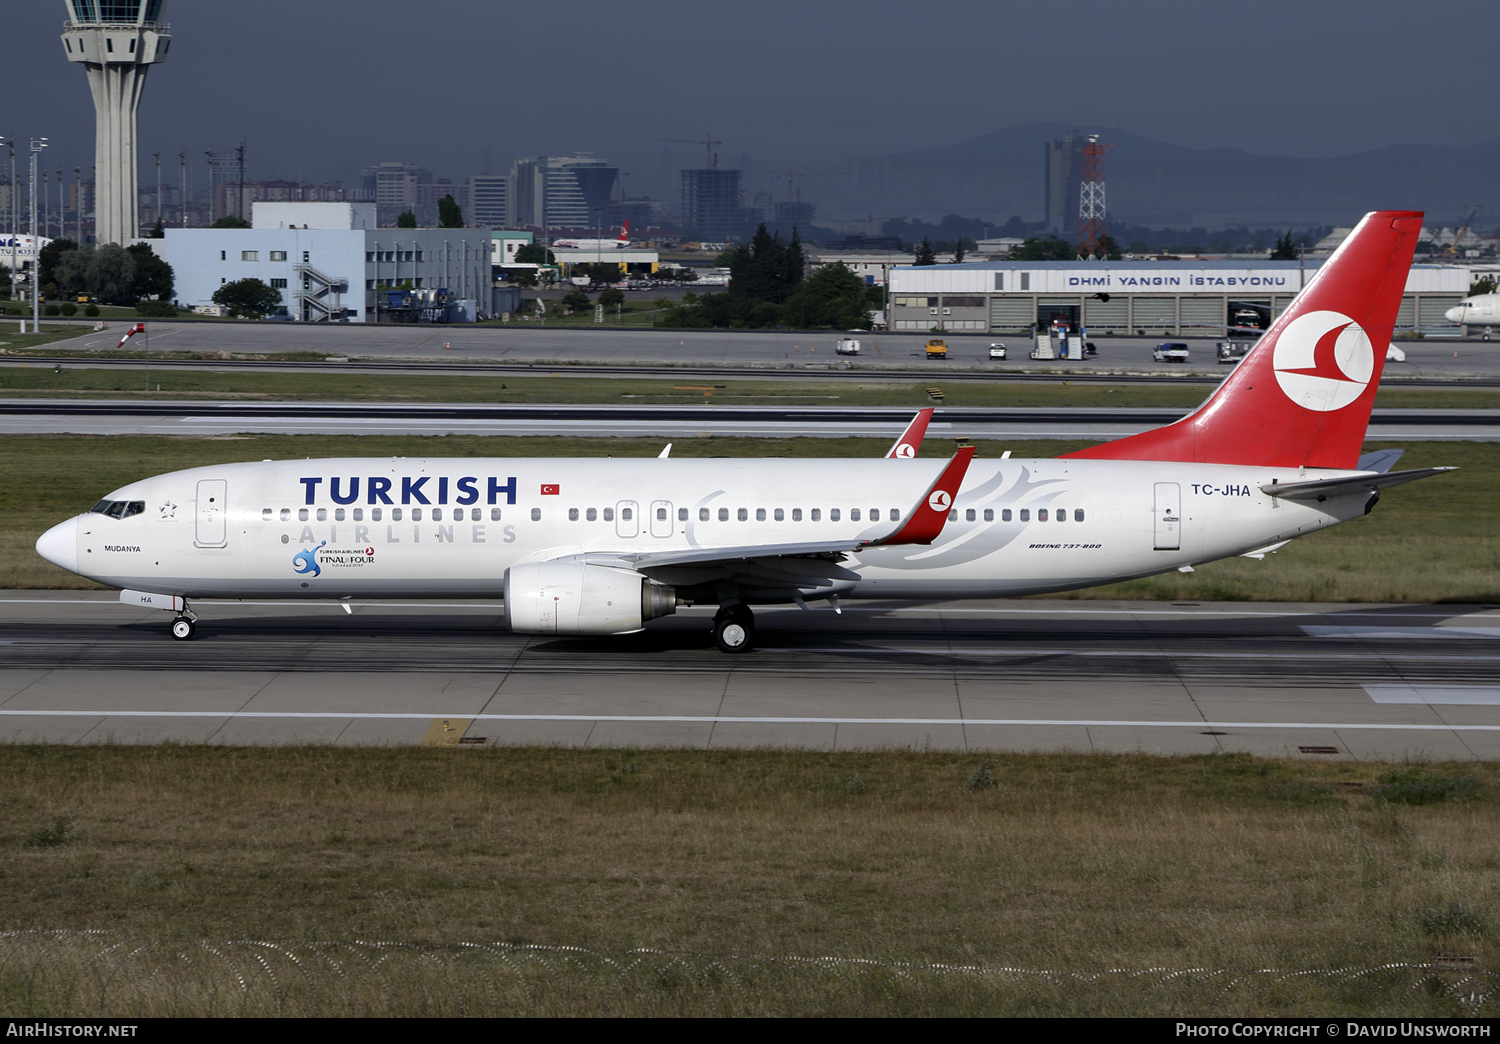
{"points": [[529, 344], [216, 417], [1322, 681]]}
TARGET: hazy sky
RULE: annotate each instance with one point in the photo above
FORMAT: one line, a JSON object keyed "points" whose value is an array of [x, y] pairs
{"points": [[321, 88]]}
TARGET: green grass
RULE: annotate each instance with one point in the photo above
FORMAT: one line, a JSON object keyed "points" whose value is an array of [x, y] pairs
{"points": [[1069, 863], [1431, 541], [38, 379]]}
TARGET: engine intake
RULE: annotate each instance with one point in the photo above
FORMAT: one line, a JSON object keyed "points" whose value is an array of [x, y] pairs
{"points": [[564, 597]]}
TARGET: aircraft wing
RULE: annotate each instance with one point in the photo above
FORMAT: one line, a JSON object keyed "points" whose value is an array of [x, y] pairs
{"points": [[1322, 489], [920, 525]]}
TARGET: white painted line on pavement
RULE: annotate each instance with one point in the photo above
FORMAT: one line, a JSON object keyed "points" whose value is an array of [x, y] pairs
{"points": [[689, 719], [1451, 695]]}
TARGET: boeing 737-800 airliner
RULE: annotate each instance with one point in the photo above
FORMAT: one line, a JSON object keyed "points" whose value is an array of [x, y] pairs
{"points": [[594, 547]]}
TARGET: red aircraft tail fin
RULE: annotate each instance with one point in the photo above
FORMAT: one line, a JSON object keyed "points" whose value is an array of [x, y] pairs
{"points": [[1303, 395]]}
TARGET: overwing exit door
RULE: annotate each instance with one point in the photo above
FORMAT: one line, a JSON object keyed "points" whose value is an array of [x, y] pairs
{"points": [[1168, 516], [661, 518]]}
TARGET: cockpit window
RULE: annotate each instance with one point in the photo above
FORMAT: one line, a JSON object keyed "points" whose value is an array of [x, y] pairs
{"points": [[119, 508]]}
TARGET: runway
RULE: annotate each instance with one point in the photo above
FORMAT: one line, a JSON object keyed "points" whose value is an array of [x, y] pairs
{"points": [[713, 350], [187, 417], [1324, 681]]}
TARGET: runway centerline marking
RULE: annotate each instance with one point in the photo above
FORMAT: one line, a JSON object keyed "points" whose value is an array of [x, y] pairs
{"points": [[707, 719]]}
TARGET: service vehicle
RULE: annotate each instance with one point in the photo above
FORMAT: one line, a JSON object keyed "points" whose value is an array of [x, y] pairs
{"points": [[1231, 352], [591, 546], [997, 351], [846, 346], [1170, 351], [937, 349]]}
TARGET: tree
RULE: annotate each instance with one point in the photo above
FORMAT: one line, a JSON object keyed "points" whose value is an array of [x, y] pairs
{"points": [[47, 260], [1050, 249], [832, 296], [1284, 250], [576, 300], [612, 298], [157, 232], [110, 274], [450, 215], [958, 251], [153, 276], [1482, 285], [407, 219], [598, 272], [535, 254], [230, 221], [925, 255], [248, 299]]}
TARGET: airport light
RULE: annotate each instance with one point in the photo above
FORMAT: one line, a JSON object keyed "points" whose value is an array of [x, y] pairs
{"points": [[37, 145], [15, 232]]}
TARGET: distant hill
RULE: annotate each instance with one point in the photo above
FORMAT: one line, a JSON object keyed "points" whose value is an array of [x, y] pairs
{"points": [[1157, 183]]}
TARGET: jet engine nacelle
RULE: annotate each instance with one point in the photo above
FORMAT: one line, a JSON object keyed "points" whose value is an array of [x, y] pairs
{"points": [[563, 597]]}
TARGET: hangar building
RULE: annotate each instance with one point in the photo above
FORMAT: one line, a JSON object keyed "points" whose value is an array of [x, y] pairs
{"points": [[1147, 298]]}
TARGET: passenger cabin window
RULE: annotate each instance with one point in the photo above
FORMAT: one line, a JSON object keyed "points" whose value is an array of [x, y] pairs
{"points": [[1005, 515], [780, 515], [969, 515], [494, 514], [626, 514], [266, 514], [416, 514], [854, 514], [395, 514], [437, 514], [661, 514], [796, 514], [953, 515], [591, 515], [1041, 514], [1026, 515], [322, 514], [302, 514], [609, 514], [286, 514], [536, 514], [375, 514], [703, 514], [760, 514], [359, 514], [572, 514], [833, 514], [874, 514], [989, 514], [816, 514], [895, 515], [1078, 514], [682, 514], [338, 514], [723, 514], [744, 515]]}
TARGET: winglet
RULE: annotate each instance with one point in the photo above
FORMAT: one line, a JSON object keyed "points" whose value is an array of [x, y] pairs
{"points": [[911, 439], [925, 521]]}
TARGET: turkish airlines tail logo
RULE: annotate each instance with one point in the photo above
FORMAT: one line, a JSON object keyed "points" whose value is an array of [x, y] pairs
{"points": [[625, 233], [1323, 361]]}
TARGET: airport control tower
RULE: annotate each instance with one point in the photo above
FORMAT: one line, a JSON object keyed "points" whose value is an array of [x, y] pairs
{"points": [[117, 41]]}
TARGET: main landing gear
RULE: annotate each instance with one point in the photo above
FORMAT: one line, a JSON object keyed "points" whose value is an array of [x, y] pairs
{"points": [[734, 628], [185, 625]]}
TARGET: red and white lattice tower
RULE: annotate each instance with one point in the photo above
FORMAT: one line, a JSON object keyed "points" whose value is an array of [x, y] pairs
{"points": [[1091, 198]]}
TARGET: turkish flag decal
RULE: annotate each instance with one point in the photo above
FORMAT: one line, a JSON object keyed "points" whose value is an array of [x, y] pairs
{"points": [[550, 489]]}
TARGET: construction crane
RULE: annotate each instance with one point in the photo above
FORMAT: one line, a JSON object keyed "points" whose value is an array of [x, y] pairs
{"points": [[1451, 250], [708, 143]]}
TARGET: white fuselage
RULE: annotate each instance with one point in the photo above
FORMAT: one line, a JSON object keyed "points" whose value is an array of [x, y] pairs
{"points": [[410, 527], [1478, 310]]}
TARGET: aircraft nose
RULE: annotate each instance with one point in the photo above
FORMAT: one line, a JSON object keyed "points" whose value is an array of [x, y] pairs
{"points": [[59, 545], [1455, 314]]}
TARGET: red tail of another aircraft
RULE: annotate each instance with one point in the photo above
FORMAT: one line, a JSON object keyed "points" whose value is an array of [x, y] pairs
{"points": [[1303, 395]]}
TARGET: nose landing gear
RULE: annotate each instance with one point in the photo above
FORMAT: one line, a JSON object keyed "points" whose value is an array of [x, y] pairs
{"points": [[734, 628]]}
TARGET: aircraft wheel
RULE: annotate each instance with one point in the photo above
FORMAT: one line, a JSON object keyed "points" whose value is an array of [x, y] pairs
{"points": [[183, 628], [734, 629], [1484, 336]]}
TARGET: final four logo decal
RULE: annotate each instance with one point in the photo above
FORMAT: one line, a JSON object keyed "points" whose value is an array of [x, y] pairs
{"points": [[311, 561], [1323, 361]]}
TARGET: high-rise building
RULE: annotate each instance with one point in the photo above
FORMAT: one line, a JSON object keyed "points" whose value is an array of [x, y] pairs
{"points": [[562, 191], [711, 203], [1063, 172], [394, 185], [117, 42], [490, 201]]}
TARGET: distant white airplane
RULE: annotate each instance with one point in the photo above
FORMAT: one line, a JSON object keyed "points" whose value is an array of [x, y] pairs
{"points": [[1476, 310], [621, 242], [601, 546]]}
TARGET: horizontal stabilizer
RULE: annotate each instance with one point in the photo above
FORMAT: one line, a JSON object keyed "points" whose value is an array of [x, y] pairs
{"points": [[1380, 460], [1322, 489]]}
